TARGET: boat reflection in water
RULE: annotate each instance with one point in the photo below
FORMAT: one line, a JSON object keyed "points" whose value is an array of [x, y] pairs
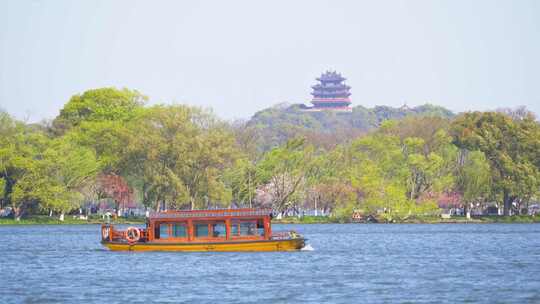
{"points": [[204, 230]]}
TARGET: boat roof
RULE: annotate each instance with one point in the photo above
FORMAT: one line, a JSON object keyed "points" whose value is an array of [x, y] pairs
{"points": [[213, 213]]}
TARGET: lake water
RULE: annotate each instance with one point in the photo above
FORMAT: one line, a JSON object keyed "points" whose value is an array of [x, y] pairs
{"points": [[353, 263]]}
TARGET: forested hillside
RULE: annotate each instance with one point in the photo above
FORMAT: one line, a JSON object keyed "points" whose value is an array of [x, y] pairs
{"points": [[279, 123]]}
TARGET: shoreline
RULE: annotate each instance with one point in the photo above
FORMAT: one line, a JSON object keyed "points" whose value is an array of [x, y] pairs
{"points": [[516, 219], [45, 220], [307, 220]]}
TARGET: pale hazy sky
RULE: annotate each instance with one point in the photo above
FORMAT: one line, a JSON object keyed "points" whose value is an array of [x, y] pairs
{"points": [[239, 57]]}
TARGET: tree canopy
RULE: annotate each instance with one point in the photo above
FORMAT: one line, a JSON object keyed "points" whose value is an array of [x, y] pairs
{"points": [[105, 104], [106, 145], [511, 147]]}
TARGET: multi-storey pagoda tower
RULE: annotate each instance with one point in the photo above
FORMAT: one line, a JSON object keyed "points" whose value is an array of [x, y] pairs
{"points": [[331, 93]]}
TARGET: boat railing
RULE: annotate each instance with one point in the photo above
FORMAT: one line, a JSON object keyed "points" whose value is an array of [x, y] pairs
{"points": [[117, 235], [108, 233], [285, 235]]}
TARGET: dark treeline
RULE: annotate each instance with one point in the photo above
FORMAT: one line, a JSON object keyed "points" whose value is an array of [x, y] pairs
{"points": [[108, 145]]}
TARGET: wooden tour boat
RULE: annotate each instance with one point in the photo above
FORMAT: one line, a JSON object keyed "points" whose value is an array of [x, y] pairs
{"points": [[203, 230]]}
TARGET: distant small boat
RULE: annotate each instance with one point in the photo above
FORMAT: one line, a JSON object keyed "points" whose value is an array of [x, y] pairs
{"points": [[203, 230]]}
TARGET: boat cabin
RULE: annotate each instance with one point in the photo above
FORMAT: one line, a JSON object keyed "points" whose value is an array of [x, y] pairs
{"points": [[209, 225], [203, 226]]}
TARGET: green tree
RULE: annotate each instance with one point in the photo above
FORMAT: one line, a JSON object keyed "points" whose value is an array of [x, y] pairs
{"points": [[395, 179], [329, 187], [2, 190], [431, 173], [510, 145], [108, 140], [473, 179], [284, 171], [242, 180], [19, 152], [97, 119], [104, 104], [57, 179], [179, 154]]}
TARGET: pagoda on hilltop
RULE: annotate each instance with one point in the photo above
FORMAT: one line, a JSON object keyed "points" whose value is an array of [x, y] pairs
{"points": [[331, 93]]}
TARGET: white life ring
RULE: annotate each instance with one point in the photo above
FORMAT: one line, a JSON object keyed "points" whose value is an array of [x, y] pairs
{"points": [[133, 234], [105, 232]]}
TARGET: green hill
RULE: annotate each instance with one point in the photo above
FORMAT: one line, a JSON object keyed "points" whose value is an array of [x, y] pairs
{"points": [[275, 125]]}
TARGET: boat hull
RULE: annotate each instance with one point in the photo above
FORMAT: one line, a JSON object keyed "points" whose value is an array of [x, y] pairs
{"points": [[262, 245]]}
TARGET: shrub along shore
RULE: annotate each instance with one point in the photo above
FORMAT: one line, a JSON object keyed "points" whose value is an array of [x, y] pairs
{"points": [[419, 220], [517, 219], [46, 220]]}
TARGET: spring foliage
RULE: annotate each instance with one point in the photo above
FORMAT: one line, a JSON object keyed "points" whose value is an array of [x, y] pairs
{"points": [[106, 144]]}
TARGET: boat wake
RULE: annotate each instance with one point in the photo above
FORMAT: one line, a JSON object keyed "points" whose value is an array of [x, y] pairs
{"points": [[307, 248]]}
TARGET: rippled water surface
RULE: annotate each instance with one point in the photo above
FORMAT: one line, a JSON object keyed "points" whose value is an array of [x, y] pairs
{"points": [[351, 263]]}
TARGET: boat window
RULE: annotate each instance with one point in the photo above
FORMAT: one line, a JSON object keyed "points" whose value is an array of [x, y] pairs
{"points": [[260, 227], [201, 230], [156, 231], [163, 231], [219, 230], [179, 230], [234, 228], [248, 228]]}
